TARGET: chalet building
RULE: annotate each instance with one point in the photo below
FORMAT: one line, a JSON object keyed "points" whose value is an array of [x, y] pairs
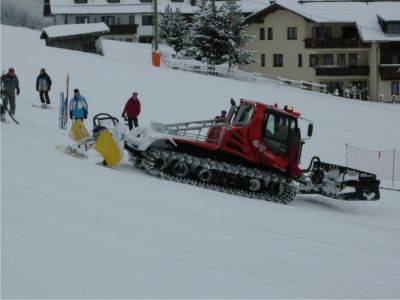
{"points": [[352, 47], [128, 20]]}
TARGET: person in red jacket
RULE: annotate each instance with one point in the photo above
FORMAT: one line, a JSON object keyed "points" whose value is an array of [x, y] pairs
{"points": [[132, 110]]}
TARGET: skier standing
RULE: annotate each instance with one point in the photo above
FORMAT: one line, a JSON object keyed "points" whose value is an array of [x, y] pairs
{"points": [[43, 86], [132, 110], [10, 84], [78, 107]]}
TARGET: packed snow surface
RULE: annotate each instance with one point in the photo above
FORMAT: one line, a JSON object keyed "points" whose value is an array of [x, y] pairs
{"points": [[74, 229]]}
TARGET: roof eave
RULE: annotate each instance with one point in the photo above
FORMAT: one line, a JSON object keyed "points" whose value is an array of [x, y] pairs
{"points": [[253, 18]]}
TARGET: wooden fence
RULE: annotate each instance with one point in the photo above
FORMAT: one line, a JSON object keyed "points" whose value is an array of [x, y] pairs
{"points": [[224, 71]]}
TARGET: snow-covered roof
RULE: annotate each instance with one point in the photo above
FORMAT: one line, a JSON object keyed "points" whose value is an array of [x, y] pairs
{"points": [[60, 7], [363, 14], [74, 29]]}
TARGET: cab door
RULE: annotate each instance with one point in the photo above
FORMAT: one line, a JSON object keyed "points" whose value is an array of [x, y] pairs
{"points": [[274, 150]]}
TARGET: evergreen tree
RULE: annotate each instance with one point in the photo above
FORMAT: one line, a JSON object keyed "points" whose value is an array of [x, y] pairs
{"points": [[179, 29], [235, 27], [217, 34], [174, 28], [208, 40], [164, 22]]}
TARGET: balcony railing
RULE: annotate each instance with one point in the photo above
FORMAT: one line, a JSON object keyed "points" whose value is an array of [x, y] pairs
{"points": [[122, 29], [335, 43], [342, 71], [389, 72]]}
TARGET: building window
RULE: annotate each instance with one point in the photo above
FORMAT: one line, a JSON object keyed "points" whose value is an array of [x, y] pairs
{"points": [[325, 59], [278, 60], [395, 88], [262, 34], [80, 1], [262, 60], [292, 33], [321, 32], [147, 20], [353, 59], [82, 19], [300, 60], [341, 59], [313, 60], [350, 33], [109, 20], [393, 28], [270, 33], [131, 20], [113, 1]]}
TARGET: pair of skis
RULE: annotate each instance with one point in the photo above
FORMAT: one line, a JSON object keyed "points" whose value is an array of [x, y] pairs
{"points": [[63, 113], [9, 113]]}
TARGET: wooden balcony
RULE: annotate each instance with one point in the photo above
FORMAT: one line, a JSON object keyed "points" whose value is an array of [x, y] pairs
{"points": [[342, 71], [389, 72], [335, 43], [122, 29]]}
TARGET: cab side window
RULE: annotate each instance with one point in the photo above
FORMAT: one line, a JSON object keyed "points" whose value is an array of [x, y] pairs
{"points": [[243, 115], [276, 133], [270, 126]]}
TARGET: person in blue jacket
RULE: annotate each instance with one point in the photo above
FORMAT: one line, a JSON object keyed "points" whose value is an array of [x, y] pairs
{"points": [[78, 107]]}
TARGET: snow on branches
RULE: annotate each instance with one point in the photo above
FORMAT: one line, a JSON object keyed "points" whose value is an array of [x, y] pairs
{"points": [[174, 28], [217, 35]]}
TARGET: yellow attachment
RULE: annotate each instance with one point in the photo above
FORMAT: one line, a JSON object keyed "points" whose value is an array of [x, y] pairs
{"points": [[106, 146], [78, 131]]}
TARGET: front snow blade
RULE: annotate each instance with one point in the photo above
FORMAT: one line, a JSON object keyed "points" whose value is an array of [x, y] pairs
{"points": [[78, 131], [107, 147], [339, 182]]}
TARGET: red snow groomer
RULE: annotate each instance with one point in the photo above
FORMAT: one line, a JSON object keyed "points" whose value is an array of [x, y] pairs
{"points": [[255, 152]]}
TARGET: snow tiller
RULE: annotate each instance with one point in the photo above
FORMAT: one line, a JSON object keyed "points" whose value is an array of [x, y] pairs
{"points": [[254, 151]]}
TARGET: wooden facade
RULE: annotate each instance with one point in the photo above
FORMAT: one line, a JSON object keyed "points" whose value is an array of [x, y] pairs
{"points": [[88, 42]]}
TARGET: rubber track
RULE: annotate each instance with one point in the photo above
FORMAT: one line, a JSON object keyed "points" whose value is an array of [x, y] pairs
{"points": [[153, 156]]}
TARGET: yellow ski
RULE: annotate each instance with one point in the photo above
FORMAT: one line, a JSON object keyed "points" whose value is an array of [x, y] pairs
{"points": [[106, 146]]}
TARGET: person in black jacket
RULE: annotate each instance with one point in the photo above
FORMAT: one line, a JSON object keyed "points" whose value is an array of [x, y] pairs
{"points": [[43, 86], [10, 84]]}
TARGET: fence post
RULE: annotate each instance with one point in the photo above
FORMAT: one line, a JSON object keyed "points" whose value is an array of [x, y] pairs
{"points": [[394, 162]]}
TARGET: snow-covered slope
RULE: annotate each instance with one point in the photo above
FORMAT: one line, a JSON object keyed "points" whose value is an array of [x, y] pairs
{"points": [[73, 229]]}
